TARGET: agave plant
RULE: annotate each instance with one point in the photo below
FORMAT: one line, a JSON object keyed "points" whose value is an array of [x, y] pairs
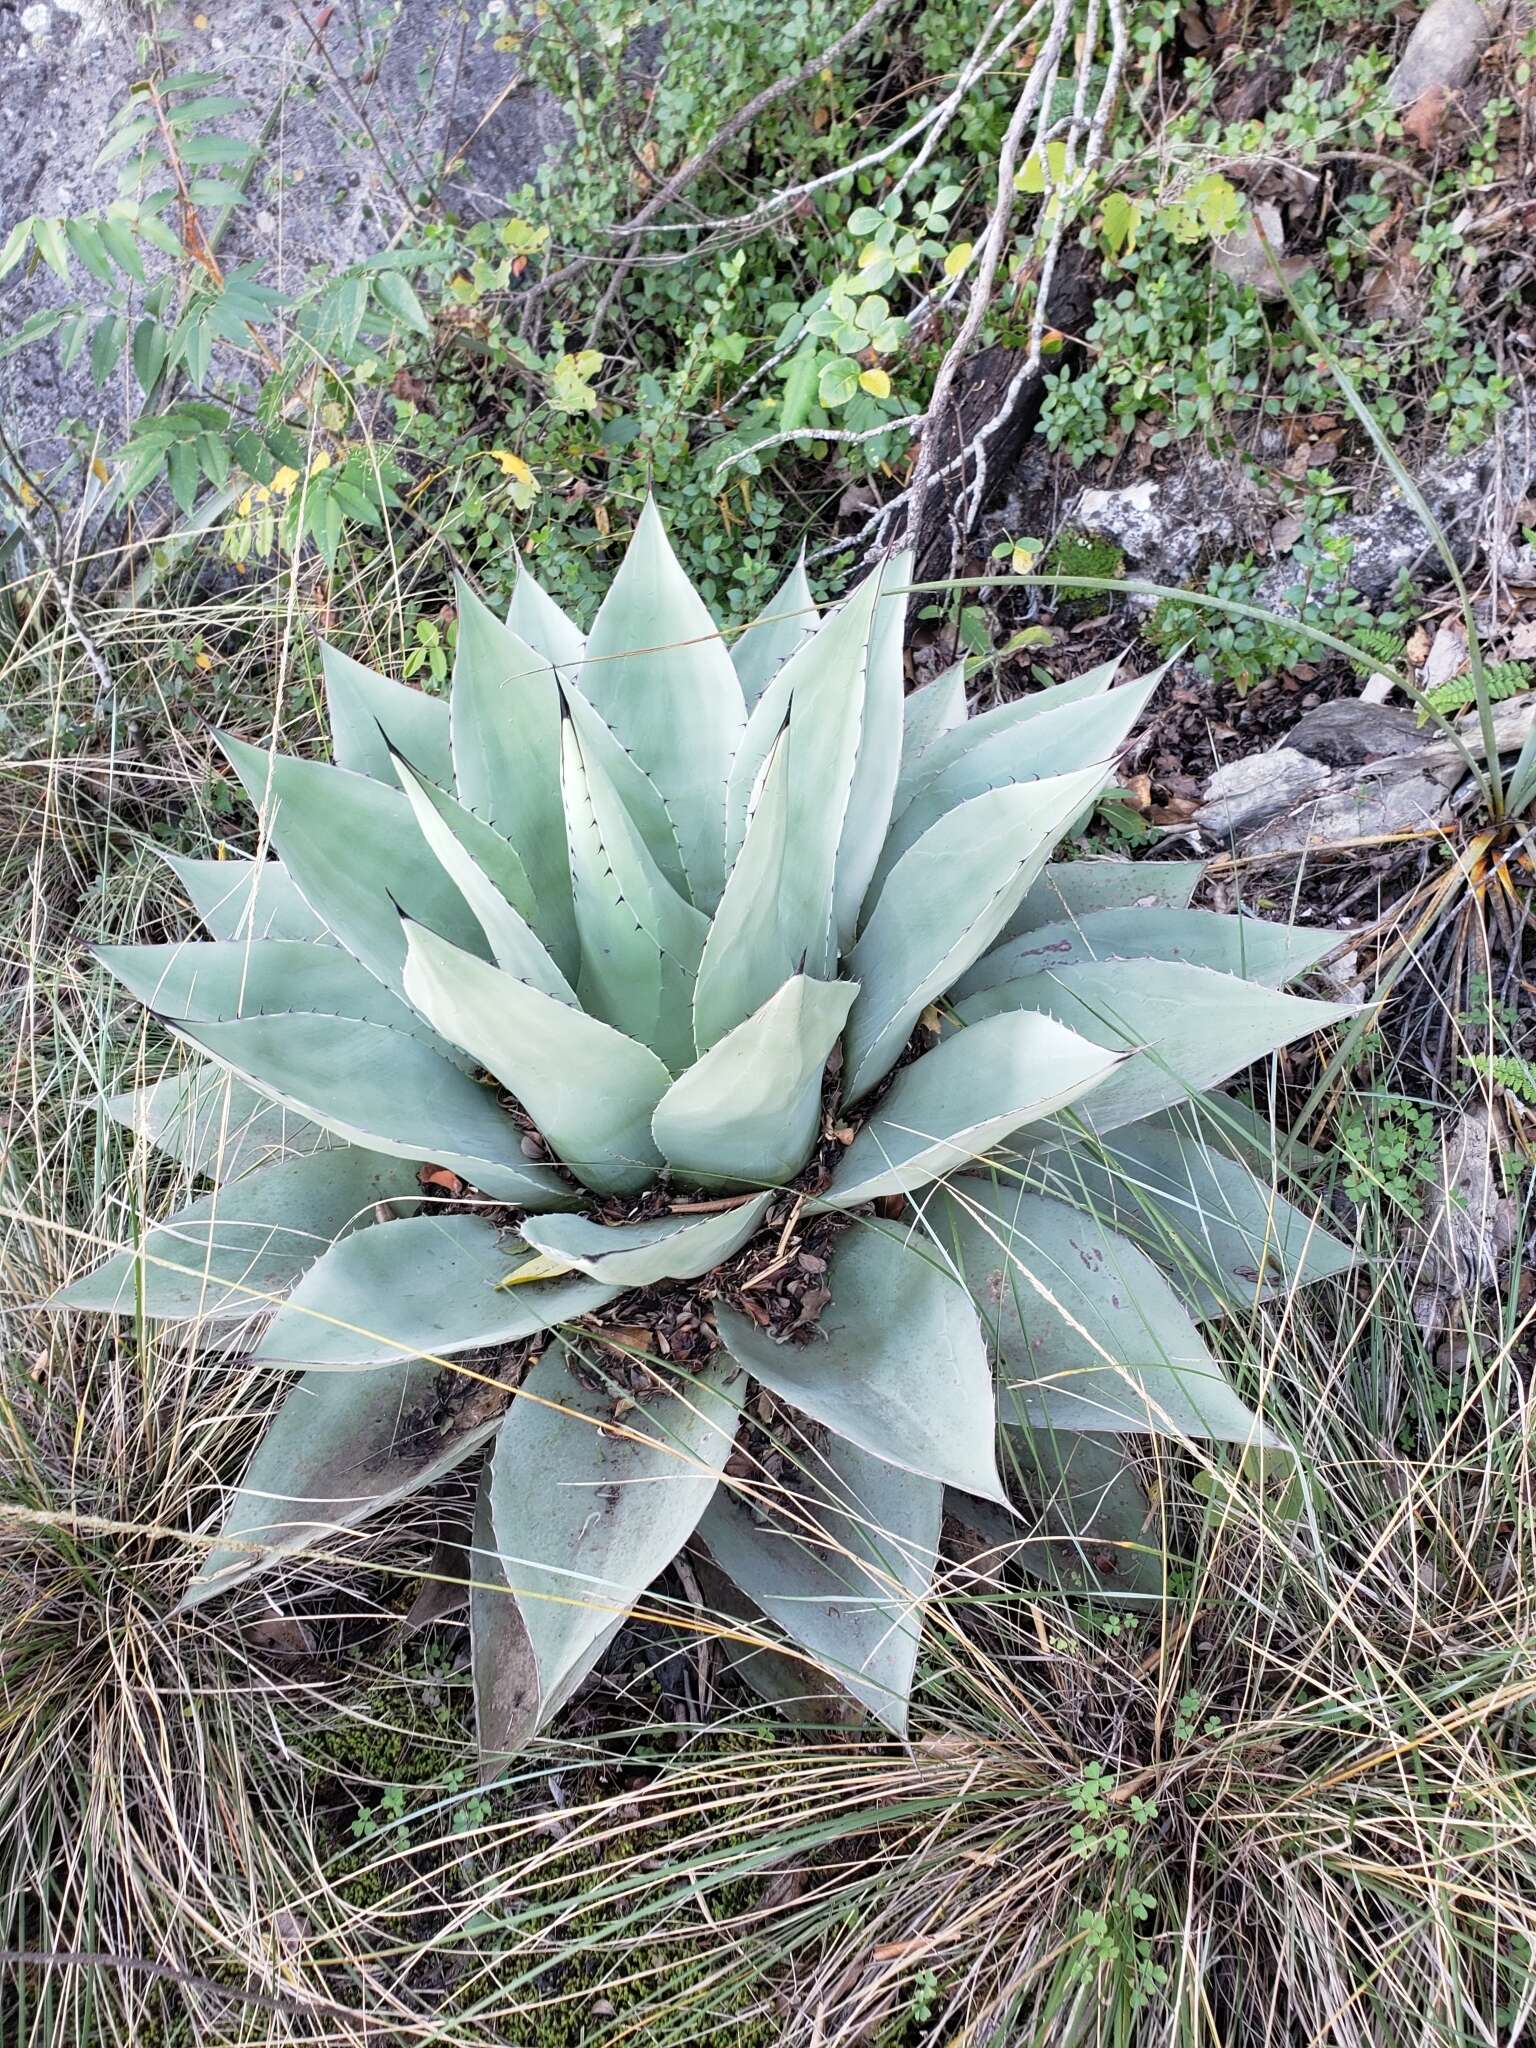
{"points": [[703, 1045]]}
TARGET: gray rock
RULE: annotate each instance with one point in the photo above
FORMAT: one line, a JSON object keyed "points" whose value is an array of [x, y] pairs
{"points": [[1166, 528], [1390, 540], [1444, 49], [367, 117], [1350, 730], [1242, 795]]}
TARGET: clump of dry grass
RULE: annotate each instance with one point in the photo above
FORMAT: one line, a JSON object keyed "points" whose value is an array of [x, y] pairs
{"points": [[1291, 1802]]}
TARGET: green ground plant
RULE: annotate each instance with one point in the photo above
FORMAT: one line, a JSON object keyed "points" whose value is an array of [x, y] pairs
{"points": [[693, 1021]]}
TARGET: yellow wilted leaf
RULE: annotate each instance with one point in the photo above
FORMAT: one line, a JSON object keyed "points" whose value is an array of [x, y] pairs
{"points": [[541, 1267], [321, 461], [204, 662], [100, 471], [27, 495], [958, 258], [875, 382], [283, 482], [199, 21], [512, 465]]}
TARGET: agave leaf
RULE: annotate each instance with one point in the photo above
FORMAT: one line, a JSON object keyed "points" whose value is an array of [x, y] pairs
{"points": [[926, 715], [872, 797], [353, 849], [1085, 1524], [1071, 889], [1086, 1332], [1056, 742], [509, 1708], [844, 1571], [775, 1672], [247, 899], [487, 873], [1248, 946], [341, 1447], [748, 1112], [776, 916], [1224, 1238], [242, 1249], [505, 717], [944, 903], [505, 1677], [377, 1088], [898, 1364], [746, 955], [640, 940], [954, 1104], [786, 619], [369, 714], [657, 671], [947, 749], [426, 1286], [214, 1124], [636, 791], [225, 978], [589, 1089], [637, 1254], [593, 1493], [1187, 1027], [541, 624]]}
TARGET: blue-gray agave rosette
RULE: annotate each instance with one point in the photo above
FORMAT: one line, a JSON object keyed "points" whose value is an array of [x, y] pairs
{"points": [[665, 955]]}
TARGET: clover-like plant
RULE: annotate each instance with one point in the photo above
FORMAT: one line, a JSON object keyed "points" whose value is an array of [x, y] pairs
{"points": [[683, 1077]]}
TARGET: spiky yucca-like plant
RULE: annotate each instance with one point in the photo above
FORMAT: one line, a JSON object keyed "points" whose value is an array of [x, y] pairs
{"points": [[588, 1029]]}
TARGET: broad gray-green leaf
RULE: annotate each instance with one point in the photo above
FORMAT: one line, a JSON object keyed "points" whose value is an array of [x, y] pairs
{"points": [[353, 849], [505, 721], [637, 792], [246, 899], [748, 1112], [944, 903], [425, 1286], [755, 1650], [844, 1573], [640, 940], [1069, 737], [488, 874], [1223, 1237], [786, 619], [213, 1123], [926, 715], [777, 915], [377, 1088], [589, 1089], [1069, 889], [1084, 1525], [593, 1492], [1187, 1027], [660, 1248], [341, 1447], [369, 714], [953, 1105], [539, 622], [657, 670], [745, 956], [239, 1250], [872, 797], [1249, 946], [961, 737], [897, 1364], [1087, 1334], [232, 978]]}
